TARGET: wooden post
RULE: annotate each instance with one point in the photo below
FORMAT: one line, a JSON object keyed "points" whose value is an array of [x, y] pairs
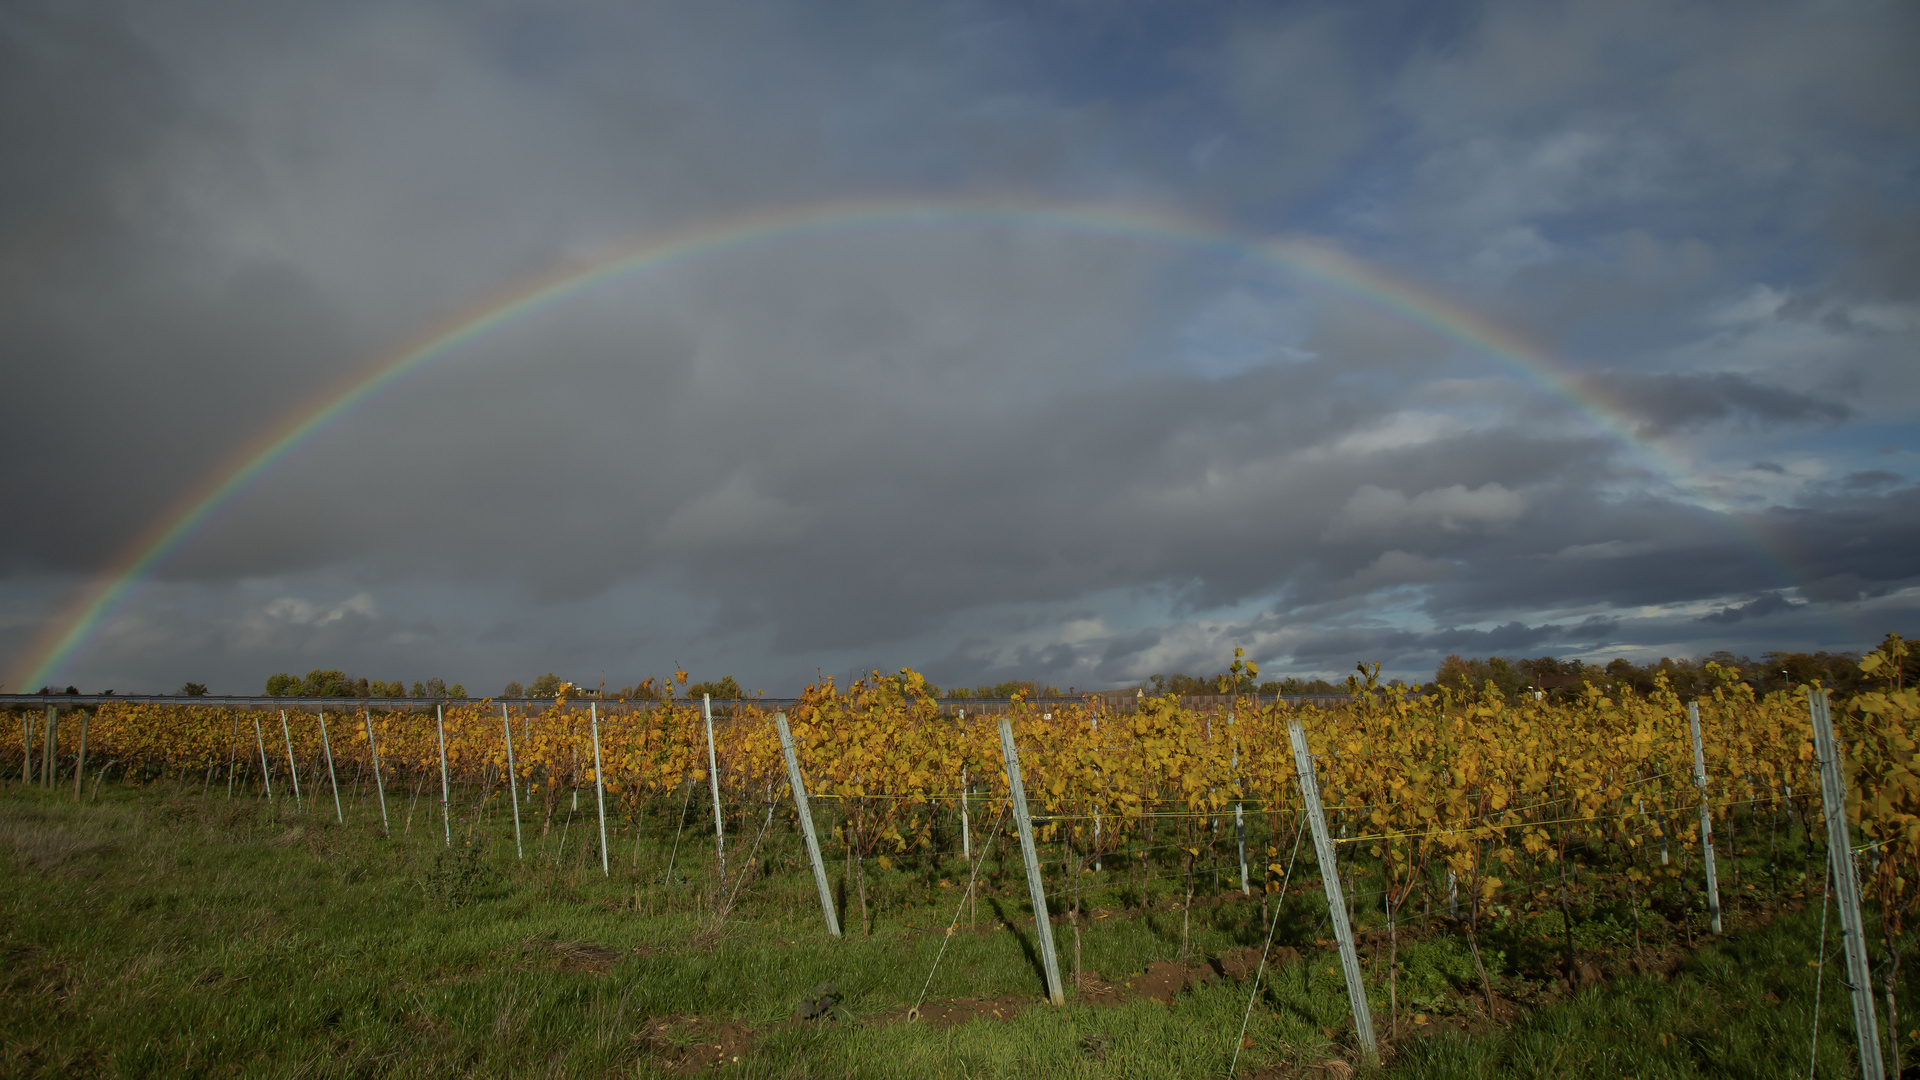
{"points": [[80, 759], [260, 740], [599, 788], [52, 747], [713, 781], [1853, 938], [513, 782], [333, 779], [1336, 902], [446, 792], [1043, 929], [799, 784], [1706, 815], [293, 770], [379, 785]]}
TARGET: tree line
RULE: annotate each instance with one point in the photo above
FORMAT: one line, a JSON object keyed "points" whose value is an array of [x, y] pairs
{"points": [[1777, 670], [334, 683]]}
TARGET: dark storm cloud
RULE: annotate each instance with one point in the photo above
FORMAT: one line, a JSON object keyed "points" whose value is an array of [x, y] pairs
{"points": [[1771, 604], [1670, 402], [998, 452]]}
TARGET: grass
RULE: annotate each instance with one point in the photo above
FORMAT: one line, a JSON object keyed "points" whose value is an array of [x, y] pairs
{"points": [[169, 930]]}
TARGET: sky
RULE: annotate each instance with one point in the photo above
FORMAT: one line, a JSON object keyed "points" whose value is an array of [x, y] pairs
{"points": [[984, 439]]}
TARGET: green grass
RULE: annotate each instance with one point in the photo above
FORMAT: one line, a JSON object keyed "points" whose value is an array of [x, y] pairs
{"points": [[160, 931]]}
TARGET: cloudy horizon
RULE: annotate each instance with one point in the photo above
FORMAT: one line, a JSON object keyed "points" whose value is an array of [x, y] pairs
{"points": [[988, 448]]}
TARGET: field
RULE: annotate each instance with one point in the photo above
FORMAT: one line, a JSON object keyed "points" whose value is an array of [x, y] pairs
{"points": [[173, 920]]}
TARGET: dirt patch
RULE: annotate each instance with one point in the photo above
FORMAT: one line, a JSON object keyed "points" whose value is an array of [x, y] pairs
{"points": [[1163, 979], [579, 956], [1091, 989], [1240, 965], [688, 1045]]}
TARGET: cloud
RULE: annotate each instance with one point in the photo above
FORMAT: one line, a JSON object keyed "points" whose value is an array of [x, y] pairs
{"points": [[1769, 604], [1670, 402], [1376, 511], [996, 449]]}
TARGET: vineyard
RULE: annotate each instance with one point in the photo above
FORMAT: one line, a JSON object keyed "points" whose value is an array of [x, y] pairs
{"points": [[1473, 814]]}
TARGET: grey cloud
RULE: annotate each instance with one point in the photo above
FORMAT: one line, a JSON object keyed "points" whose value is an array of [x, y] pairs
{"points": [[1672, 402], [1769, 604], [977, 447]]}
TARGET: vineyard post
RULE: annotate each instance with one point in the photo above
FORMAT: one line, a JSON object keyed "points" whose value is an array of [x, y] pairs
{"points": [[1239, 818], [1330, 879], [446, 793], [1095, 721], [1833, 798], [80, 759], [233, 754], [379, 785], [260, 740], [52, 747], [513, 781], [26, 748], [1706, 815], [326, 745], [599, 787], [799, 785], [1043, 929], [713, 781], [966, 828], [293, 770]]}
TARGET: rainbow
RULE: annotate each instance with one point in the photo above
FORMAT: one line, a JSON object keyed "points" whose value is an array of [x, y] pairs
{"points": [[1316, 264]]}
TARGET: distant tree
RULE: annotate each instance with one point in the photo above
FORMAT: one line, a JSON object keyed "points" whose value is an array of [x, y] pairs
{"points": [[456, 691], [326, 682], [1293, 684], [436, 687], [362, 688], [1461, 675], [1182, 685], [514, 690], [419, 689], [283, 685], [547, 685], [720, 689], [194, 689]]}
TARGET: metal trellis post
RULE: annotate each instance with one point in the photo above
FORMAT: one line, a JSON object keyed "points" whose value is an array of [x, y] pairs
{"points": [[379, 785], [51, 749], [293, 770], [333, 778], [513, 782], [799, 785], [713, 782], [1336, 902], [80, 758], [1043, 928], [599, 787], [446, 789], [1853, 939], [260, 740], [1706, 815]]}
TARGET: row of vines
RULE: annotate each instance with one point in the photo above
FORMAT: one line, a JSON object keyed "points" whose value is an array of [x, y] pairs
{"points": [[1496, 791]]}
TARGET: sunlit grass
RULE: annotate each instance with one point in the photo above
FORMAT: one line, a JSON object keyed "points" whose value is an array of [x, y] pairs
{"points": [[176, 932]]}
